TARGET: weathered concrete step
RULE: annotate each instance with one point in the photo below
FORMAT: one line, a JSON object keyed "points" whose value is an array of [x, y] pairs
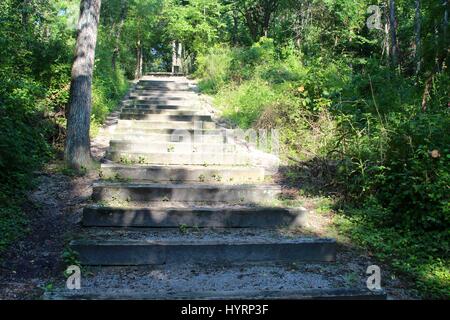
{"points": [[144, 90], [173, 116], [199, 217], [175, 136], [169, 158], [104, 246], [161, 94], [163, 109], [151, 106], [147, 191], [160, 102], [172, 112], [203, 127], [158, 147], [165, 89], [163, 85], [189, 130], [146, 103], [157, 100], [183, 173], [209, 281], [128, 294]]}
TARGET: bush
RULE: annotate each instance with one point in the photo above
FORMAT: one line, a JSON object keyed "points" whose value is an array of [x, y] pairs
{"points": [[213, 69], [245, 103]]}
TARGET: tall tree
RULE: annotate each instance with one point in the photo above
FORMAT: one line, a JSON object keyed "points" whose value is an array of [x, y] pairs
{"points": [[139, 59], [417, 42], [258, 15], [393, 29], [77, 150], [118, 33]]}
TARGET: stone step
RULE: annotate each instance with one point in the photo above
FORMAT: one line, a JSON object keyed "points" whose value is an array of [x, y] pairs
{"points": [[158, 147], [145, 294], [183, 173], [161, 102], [168, 135], [192, 158], [144, 89], [146, 103], [188, 112], [165, 89], [172, 112], [151, 106], [105, 246], [207, 193], [157, 99], [198, 217], [206, 127], [142, 132], [166, 116], [161, 85], [208, 281], [158, 94]]}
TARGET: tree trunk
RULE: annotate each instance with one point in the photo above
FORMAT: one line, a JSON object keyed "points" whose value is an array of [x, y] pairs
{"points": [[393, 29], [235, 27], [445, 23], [417, 44], [141, 63], [116, 51], [77, 150], [138, 70]]}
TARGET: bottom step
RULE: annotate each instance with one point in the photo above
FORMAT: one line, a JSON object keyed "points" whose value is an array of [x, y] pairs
{"points": [[104, 246], [318, 294], [340, 280]]}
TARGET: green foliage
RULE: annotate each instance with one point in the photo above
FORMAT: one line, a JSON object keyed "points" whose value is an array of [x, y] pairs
{"points": [[420, 256], [245, 103], [34, 92], [213, 69], [391, 157], [70, 257]]}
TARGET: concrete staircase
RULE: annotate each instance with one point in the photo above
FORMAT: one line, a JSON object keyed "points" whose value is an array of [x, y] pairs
{"points": [[176, 191]]}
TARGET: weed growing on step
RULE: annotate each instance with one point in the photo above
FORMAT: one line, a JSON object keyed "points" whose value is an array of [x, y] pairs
{"points": [[142, 160], [70, 257], [183, 228]]}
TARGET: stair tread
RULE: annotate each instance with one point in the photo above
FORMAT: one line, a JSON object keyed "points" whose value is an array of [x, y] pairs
{"points": [[179, 167], [171, 185], [198, 208], [202, 281], [201, 236]]}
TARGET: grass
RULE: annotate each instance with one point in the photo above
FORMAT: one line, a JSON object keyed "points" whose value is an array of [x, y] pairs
{"points": [[410, 253]]}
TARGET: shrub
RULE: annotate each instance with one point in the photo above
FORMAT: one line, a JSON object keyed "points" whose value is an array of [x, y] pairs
{"points": [[213, 69], [244, 104]]}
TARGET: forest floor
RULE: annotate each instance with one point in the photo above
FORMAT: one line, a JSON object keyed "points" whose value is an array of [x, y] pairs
{"points": [[35, 264]]}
